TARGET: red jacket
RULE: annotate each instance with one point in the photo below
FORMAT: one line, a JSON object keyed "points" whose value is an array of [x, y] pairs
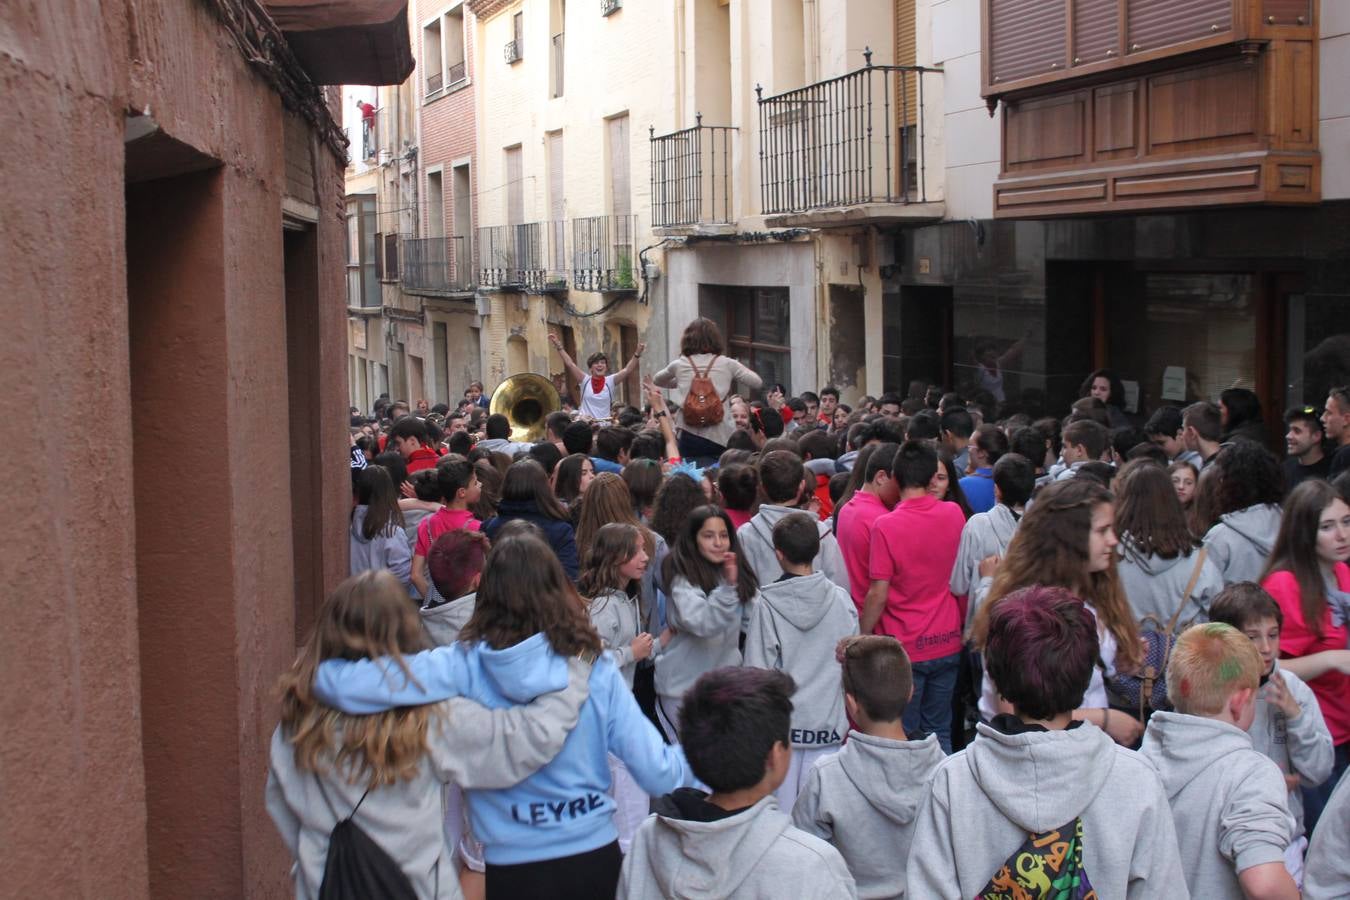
{"points": [[422, 458]]}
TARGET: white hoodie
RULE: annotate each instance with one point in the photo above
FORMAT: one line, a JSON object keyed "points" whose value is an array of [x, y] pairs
{"points": [[615, 615], [985, 534], [864, 800], [1228, 800], [1155, 585], [1328, 870], [754, 855], [756, 540], [1240, 542], [794, 627], [988, 798]]}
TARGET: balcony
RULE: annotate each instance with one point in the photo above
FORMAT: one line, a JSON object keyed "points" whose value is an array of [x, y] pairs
{"points": [[1153, 105], [847, 150], [527, 257], [437, 266], [603, 255], [370, 136], [691, 178]]}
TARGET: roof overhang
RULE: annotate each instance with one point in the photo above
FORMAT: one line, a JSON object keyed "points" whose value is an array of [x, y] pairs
{"points": [[347, 41]]}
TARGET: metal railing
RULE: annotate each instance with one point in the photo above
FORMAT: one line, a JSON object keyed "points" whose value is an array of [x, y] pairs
{"points": [[370, 136], [434, 82], [456, 73], [512, 51], [526, 257], [437, 265], [691, 175], [604, 253], [857, 138]]}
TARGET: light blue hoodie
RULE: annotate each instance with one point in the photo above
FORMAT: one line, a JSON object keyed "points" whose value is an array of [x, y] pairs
{"points": [[563, 809]]}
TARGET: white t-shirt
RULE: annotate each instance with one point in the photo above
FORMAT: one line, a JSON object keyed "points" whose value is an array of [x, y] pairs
{"points": [[1095, 696], [597, 406]]}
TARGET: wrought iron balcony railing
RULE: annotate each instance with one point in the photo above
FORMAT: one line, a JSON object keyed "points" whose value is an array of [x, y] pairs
{"points": [[691, 175], [850, 140], [604, 253], [527, 257], [441, 265]]}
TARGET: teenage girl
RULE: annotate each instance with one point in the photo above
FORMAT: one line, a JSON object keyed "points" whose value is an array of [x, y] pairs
{"points": [[552, 836], [1067, 539], [386, 770], [377, 539], [610, 581], [708, 582], [1308, 577]]}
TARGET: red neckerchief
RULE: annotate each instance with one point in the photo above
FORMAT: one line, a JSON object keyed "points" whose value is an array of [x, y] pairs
{"points": [[598, 384]]}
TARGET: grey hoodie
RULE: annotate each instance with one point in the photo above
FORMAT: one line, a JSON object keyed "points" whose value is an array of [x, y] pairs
{"points": [[754, 855], [467, 744], [389, 550], [1301, 746], [756, 540], [864, 800], [707, 635], [988, 798], [985, 534], [1241, 542], [1228, 800], [504, 445], [615, 615], [1154, 585], [444, 622], [1327, 872], [794, 628]]}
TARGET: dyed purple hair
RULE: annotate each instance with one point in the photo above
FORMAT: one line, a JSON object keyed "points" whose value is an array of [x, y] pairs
{"points": [[730, 720], [1040, 651]]}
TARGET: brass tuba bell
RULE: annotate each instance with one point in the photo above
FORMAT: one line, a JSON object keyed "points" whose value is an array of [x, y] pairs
{"points": [[526, 399]]}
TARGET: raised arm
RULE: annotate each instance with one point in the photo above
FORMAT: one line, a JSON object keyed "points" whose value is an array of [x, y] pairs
{"points": [[572, 368], [657, 400], [632, 363]]}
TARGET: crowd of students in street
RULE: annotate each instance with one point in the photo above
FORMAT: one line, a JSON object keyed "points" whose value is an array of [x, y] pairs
{"points": [[724, 646]]}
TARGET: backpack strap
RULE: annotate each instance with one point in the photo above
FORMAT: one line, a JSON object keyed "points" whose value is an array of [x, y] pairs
{"points": [[1190, 587], [706, 369]]}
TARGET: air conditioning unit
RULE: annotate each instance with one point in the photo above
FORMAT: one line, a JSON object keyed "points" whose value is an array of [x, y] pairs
{"points": [[609, 7], [512, 51]]}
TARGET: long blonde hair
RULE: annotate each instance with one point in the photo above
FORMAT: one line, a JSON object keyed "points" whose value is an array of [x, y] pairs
{"points": [[1050, 547], [367, 616]]}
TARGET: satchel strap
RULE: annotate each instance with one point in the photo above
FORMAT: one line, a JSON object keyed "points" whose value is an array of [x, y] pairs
{"points": [[706, 369], [1190, 587]]}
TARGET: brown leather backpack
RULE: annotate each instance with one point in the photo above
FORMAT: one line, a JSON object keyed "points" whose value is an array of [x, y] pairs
{"points": [[702, 405]]}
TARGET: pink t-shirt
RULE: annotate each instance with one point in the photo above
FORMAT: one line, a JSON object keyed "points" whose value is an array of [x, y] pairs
{"points": [[438, 523], [1332, 689], [914, 548], [854, 533]]}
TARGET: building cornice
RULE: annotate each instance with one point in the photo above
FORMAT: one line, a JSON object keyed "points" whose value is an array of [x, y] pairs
{"points": [[486, 9]]}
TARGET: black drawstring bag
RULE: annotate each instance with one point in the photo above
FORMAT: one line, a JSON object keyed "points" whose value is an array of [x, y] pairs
{"points": [[357, 868]]}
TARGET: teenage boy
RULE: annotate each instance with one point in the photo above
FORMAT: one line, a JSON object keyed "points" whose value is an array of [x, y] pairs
{"points": [[910, 564], [459, 491], [957, 427], [864, 799], [1084, 441], [986, 448], [794, 628], [1288, 726], [1336, 426], [596, 384], [734, 842], [497, 436], [1202, 430], [1303, 440], [1040, 798], [829, 402], [1164, 428], [409, 437], [877, 496], [455, 566], [818, 450], [782, 483], [987, 534], [1228, 800]]}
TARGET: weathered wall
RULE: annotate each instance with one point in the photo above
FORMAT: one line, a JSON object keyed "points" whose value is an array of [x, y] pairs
{"points": [[152, 607]]}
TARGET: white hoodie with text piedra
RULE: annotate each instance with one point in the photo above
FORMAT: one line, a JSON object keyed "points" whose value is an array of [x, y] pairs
{"points": [[795, 627], [988, 798]]}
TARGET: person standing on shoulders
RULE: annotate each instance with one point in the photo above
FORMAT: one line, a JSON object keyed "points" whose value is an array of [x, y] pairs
{"points": [[597, 387], [703, 424]]}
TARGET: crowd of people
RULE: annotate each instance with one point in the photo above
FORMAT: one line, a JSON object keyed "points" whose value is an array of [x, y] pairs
{"points": [[740, 644]]}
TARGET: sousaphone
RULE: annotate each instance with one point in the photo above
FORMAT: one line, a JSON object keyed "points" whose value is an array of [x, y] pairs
{"points": [[526, 399]]}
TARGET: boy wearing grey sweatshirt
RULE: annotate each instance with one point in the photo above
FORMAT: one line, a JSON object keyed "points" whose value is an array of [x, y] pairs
{"points": [[782, 478], [865, 799], [1039, 797], [735, 727], [1250, 488], [1328, 869], [794, 628], [988, 533], [1228, 800]]}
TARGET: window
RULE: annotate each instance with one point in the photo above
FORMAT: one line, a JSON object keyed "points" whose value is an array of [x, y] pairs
{"points": [[432, 58], [443, 56], [620, 195], [363, 284], [515, 187], [557, 25], [453, 29], [435, 205], [755, 323]]}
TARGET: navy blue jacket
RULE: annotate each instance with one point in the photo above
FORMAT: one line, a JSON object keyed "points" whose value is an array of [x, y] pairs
{"points": [[557, 532]]}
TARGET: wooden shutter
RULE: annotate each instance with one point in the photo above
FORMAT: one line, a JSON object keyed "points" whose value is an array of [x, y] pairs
{"points": [[556, 202], [379, 256], [515, 187], [621, 197], [1096, 30], [1026, 38], [1161, 23], [906, 54], [1288, 12]]}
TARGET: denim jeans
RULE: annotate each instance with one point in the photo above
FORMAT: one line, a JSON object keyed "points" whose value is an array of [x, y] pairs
{"points": [[1315, 799], [930, 710]]}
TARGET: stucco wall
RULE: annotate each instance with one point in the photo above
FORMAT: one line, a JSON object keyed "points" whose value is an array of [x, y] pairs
{"points": [[110, 792]]}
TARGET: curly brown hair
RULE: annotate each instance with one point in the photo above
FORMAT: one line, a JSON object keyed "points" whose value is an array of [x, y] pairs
{"points": [[366, 617], [613, 545], [702, 336], [1050, 548], [524, 592]]}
